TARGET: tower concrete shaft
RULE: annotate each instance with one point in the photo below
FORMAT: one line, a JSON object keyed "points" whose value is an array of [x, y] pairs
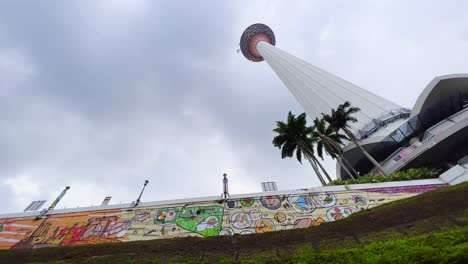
{"points": [[319, 91]]}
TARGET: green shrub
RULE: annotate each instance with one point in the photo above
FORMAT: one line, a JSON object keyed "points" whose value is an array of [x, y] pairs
{"points": [[410, 174]]}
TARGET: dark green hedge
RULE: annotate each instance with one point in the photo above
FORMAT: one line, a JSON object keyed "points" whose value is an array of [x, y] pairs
{"points": [[411, 174]]}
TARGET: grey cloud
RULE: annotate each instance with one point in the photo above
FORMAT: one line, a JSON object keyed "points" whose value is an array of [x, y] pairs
{"points": [[157, 90]]}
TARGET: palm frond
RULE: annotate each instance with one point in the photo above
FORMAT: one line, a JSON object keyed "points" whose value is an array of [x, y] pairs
{"points": [[320, 149], [351, 119], [278, 141], [299, 155], [353, 110], [287, 150], [291, 118]]}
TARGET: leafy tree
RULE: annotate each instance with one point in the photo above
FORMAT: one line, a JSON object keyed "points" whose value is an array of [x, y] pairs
{"points": [[293, 136], [329, 140], [340, 120]]}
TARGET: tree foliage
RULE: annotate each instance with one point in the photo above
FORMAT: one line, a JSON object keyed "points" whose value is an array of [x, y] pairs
{"points": [[293, 139]]}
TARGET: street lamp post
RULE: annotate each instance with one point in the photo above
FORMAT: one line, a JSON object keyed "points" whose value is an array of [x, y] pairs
{"points": [[54, 203], [138, 200]]}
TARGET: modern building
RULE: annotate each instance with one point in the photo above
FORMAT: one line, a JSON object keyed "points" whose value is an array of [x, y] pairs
{"points": [[434, 133]]}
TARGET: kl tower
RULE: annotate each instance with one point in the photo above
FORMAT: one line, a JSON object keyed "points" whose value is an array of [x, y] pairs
{"points": [[319, 91], [432, 134]]}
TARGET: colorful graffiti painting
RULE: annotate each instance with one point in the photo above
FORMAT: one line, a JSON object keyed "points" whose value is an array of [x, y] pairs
{"points": [[208, 218], [255, 214], [166, 216], [231, 204], [359, 200], [272, 202], [264, 225], [241, 220], [340, 212], [280, 217], [246, 232], [204, 220], [76, 230], [302, 204], [226, 232], [325, 199], [407, 189], [308, 222], [247, 202]]}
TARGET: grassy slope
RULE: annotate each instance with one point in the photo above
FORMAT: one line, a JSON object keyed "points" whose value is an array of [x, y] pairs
{"points": [[443, 212]]}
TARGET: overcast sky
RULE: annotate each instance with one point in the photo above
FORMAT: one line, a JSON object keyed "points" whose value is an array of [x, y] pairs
{"points": [[101, 95]]}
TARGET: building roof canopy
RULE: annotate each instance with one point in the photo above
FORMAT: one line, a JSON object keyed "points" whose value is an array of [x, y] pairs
{"points": [[441, 89]]}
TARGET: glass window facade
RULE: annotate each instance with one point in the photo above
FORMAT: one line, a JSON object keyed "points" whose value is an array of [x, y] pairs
{"points": [[414, 127]]}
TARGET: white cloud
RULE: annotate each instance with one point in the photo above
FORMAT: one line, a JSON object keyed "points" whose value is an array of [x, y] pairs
{"points": [[24, 190], [15, 69]]}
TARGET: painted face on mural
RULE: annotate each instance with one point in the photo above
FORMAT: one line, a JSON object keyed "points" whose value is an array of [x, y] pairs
{"points": [[302, 204], [211, 221], [271, 202], [264, 225], [255, 214], [280, 217], [241, 220]]}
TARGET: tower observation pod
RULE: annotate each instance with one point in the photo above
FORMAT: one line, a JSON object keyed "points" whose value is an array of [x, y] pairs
{"points": [[319, 91]]}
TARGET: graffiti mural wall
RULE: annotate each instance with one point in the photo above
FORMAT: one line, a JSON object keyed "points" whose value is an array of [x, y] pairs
{"points": [[210, 218]]}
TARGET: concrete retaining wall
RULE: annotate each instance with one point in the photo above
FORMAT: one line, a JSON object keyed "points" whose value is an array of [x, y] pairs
{"points": [[208, 216]]}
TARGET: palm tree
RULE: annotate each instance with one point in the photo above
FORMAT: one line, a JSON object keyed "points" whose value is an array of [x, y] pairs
{"points": [[340, 119], [329, 140], [293, 136]]}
